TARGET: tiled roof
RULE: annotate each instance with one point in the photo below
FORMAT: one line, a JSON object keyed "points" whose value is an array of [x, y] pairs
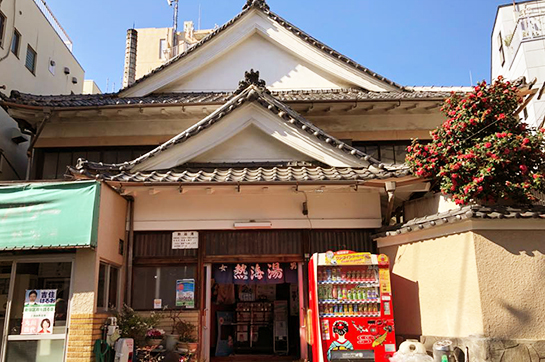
{"points": [[113, 99], [496, 212], [263, 7], [262, 97], [265, 99], [244, 175]]}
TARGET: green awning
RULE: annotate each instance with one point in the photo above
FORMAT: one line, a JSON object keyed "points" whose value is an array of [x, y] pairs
{"points": [[49, 215]]}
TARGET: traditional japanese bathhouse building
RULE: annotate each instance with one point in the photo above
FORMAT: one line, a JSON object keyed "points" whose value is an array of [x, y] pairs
{"points": [[232, 185]]}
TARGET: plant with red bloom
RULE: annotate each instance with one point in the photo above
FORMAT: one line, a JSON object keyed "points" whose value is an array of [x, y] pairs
{"points": [[482, 152]]}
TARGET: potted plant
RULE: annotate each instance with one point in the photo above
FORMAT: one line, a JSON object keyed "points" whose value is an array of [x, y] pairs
{"points": [[154, 336], [133, 325], [187, 333]]}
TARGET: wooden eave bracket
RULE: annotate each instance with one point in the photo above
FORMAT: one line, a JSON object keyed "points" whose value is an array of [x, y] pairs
{"points": [[390, 188]]}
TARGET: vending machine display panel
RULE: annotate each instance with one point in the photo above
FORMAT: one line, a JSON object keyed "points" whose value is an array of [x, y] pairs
{"points": [[350, 298]]}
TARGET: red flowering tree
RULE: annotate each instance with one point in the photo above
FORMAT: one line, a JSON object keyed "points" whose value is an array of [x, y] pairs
{"points": [[482, 152]]}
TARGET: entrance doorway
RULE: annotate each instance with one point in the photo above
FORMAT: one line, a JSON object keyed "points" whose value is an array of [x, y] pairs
{"points": [[254, 311]]}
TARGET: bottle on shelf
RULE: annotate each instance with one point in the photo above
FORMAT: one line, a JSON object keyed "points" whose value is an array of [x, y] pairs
{"points": [[355, 309], [328, 274], [334, 292]]}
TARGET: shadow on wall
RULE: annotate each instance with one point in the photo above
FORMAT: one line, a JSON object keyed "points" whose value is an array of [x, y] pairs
{"points": [[406, 308], [530, 243]]}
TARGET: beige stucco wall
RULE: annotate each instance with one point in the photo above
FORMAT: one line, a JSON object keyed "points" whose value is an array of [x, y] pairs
{"points": [[147, 49], [83, 298], [435, 286], [90, 87], [511, 269], [111, 225]]}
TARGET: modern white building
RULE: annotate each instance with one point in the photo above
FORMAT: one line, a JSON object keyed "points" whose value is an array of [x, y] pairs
{"points": [[518, 49], [35, 57]]}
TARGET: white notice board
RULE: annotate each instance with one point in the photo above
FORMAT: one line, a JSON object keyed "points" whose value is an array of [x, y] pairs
{"points": [[185, 240]]}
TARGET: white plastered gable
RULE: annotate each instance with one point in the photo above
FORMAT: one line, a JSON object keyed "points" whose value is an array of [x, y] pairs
{"points": [[250, 126], [285, 62]]}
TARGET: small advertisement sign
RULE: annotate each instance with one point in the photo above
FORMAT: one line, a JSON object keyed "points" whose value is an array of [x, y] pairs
{"points": [[185, 240], [185, 293], [39, 311]]}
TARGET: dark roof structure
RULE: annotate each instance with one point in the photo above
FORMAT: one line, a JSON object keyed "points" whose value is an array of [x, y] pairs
{"points": [[300, 174], [262, 6], [189, 98], [475, 212], [250, 90]]}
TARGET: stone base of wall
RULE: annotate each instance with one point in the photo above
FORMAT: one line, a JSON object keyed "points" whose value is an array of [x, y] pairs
{"points": [[84, 331], [480, 349]]}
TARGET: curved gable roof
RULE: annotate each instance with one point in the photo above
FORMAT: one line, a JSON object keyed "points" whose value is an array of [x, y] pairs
{"points": [[260, 5]]}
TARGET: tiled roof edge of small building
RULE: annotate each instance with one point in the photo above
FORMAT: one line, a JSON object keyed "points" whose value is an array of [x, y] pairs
{"points": [[481, 212]]}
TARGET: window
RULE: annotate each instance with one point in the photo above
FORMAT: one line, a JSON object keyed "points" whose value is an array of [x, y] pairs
{"points": [[387, 152], [108, 287], [151, 283], [2, 28], [30, 62], [162, 48], [35, 277], [52, 163], [15, 43], [500, 49]]}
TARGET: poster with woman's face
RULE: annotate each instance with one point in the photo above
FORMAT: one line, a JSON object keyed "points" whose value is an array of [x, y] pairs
{"points": [[39, 311]]}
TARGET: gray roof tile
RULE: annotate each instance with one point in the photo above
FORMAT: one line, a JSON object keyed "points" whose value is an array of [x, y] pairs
{"points": [[495, 212], [293, 96]]}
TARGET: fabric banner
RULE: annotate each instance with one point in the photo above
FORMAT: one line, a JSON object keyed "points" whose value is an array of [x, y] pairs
{"points": [[256, 273], [39, 311], [49, 215]]}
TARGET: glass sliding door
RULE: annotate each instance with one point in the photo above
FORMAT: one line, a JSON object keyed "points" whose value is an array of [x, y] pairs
{"points": [[5, 278], [39, 311]]}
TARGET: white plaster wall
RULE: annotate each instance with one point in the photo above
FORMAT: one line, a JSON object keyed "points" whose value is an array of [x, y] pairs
{"points": [[280, 70], [36, 31], [219, 207], [251, 145], [16, 154], [526, 60]]}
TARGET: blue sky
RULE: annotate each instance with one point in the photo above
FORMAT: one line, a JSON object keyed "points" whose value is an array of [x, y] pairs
{"points": [[413, 42]]}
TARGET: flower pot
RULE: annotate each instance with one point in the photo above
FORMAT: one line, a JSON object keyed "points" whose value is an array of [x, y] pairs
{"points": [[193, 347], [171, 340], [154, 341]]}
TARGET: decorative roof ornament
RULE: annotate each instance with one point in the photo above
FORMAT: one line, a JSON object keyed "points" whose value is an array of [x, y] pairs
{"points": [[250, 78], [260, 4]]}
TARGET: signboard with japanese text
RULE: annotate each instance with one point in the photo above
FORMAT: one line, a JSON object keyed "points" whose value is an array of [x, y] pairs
{"points": [[185, 240], [185, 293], [39, 311]]}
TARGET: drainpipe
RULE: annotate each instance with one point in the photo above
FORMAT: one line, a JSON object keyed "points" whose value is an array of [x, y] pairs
{"points": [[130, 251], [34, 139]]}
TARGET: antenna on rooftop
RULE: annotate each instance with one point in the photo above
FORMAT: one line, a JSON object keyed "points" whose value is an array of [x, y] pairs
{"points": [[174, 3]]}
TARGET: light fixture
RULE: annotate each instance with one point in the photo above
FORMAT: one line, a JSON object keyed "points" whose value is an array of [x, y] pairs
{"points": [[252, 224]]}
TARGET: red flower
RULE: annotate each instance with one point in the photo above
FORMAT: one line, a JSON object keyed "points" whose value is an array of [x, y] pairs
{"points": [[488, 145], [523, 168], [525, 141]]}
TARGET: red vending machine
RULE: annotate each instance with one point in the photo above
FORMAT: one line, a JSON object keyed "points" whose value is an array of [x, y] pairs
{"points": [[351, 307]]}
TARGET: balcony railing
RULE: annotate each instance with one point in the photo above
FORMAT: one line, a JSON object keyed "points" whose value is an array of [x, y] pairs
{"points": [[54, 22]]}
